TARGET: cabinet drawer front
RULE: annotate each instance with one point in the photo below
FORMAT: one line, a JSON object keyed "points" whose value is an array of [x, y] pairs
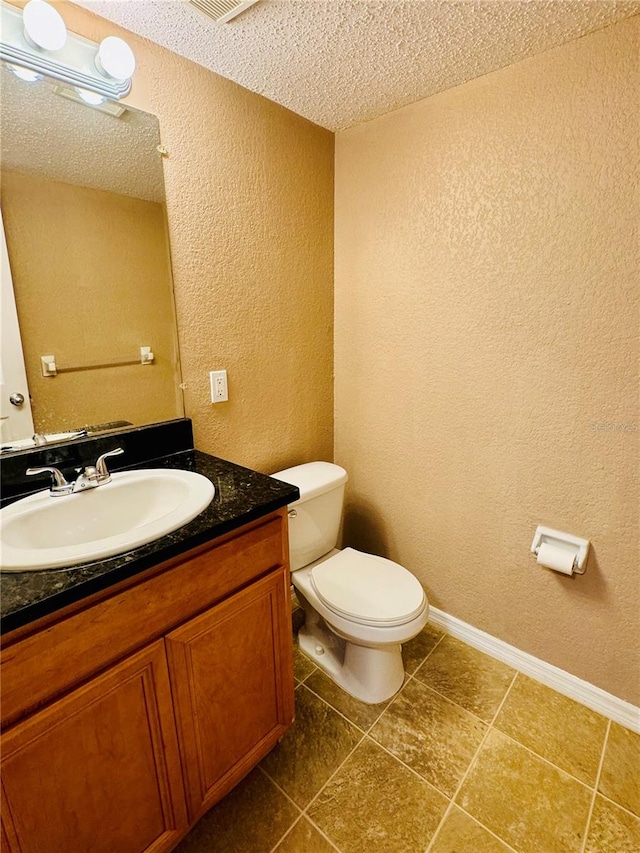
{"points": [[232, 681], [98, 770], [80, 645]]}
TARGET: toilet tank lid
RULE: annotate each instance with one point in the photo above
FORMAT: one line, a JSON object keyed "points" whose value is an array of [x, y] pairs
{"points": [[313, 478]]}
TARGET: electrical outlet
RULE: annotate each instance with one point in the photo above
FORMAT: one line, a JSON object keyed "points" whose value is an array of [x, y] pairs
{"points": [[219, 389]]}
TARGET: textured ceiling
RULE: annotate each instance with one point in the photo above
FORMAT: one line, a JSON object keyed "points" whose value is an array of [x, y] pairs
{"points": [[45, 134], [341, 62]]}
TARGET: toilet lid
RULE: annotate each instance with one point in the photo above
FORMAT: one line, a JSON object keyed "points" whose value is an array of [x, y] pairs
{"points": [[367, 589]]}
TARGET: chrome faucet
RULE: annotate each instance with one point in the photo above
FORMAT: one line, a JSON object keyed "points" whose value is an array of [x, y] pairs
{"points": [[96, 475], [89, 478], [60, 485], [101, 466]]}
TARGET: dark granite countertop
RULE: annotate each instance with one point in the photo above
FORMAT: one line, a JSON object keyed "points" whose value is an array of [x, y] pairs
{"points": [[241, 496]]}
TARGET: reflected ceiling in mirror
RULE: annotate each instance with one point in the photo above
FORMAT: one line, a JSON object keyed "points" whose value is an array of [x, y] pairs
{"points": [[46, 133], [83, 208]]}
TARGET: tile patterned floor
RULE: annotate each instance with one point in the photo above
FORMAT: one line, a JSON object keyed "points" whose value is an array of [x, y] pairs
{"points": [[469, 757]]}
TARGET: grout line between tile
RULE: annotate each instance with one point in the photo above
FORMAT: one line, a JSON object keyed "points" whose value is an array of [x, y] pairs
{"points": [[282, 837], [304, 811], [461, 707], [595, 788], [406, 767], [545, 760], [296, 806], [367, 732], [282, 791], [343, 715], [471, 765], [322, 833], [309, 674], [505, 844], [617, 805], [295, 823], [428, 655], [364, 737], [533, 752], [342, 763]]}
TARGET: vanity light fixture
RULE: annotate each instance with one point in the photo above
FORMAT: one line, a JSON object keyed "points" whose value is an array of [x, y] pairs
{"points": [[36, 42], [115, 59], [44, 27]]}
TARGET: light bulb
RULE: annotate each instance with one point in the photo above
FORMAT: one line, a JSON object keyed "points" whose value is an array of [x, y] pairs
{"points": [[115, 59], [91, 98], [43, 26], [24, 73]]}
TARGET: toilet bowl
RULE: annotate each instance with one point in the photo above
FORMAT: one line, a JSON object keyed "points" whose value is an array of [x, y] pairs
{"points": [[359, 608]]}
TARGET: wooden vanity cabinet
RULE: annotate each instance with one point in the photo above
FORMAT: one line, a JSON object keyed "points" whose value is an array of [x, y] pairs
{"points": [[99, 769], [229, 687], [123, 750]]}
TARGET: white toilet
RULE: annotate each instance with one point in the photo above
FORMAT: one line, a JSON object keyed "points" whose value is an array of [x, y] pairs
{"points": [[359, 608]]}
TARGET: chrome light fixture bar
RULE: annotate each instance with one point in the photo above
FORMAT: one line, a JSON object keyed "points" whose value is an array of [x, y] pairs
{"points": [[26, 43]]}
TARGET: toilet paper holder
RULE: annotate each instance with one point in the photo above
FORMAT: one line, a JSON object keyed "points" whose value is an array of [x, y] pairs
{"points": [[566, 542]]}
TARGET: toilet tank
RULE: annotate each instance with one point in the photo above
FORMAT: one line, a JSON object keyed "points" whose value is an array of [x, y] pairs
{"points": [[314, 519]]}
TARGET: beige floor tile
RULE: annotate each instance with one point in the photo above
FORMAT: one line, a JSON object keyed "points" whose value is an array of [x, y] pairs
{"points": [[319, 740], [415, 651], [612, 829], [433, 736], [250, 819], [304, 838], [557, 728], [460, 834], [620, 778], [302, 666], [527, 802], [375, 805], [361, 714], [468, 677]]}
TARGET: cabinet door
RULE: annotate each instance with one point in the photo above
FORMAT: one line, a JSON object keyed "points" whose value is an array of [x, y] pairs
{"points": [[99, 769], [232, 679]]}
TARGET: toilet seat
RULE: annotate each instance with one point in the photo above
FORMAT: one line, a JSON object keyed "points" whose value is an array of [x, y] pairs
{"points": [[368, 589]]}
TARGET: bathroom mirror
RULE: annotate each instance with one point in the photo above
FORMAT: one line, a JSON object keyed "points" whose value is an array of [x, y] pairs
{"points": [[83, 206]]}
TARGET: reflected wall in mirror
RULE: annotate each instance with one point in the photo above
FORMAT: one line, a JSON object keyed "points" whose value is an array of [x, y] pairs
{"points": [[82, 194]]}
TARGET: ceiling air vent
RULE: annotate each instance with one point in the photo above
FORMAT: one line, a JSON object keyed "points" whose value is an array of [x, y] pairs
{"points": [[222, 11]]}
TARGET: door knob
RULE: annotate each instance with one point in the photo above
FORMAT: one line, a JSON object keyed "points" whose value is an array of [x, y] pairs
{"points": [[16, 399]]}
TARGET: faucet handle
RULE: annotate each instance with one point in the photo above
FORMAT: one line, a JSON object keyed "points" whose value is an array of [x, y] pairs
{"points": [[60, 485], [101, 465]]}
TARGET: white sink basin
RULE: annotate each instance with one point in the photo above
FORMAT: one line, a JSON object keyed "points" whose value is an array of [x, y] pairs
{"points": [[136, 507]]}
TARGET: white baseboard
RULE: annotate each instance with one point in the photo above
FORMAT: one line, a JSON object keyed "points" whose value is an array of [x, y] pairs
{"points": [[593, 697]]}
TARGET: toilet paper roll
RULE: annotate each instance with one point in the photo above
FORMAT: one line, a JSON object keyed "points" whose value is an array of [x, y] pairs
{"points": [[552, 557]]}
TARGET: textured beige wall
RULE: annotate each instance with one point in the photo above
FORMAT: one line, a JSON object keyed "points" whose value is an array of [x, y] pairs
{"points": [[92, 284], [486, 319], [250, 206]]}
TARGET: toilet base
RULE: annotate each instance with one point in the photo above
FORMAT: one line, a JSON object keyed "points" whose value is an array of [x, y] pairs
{"points": [[371, 674]]}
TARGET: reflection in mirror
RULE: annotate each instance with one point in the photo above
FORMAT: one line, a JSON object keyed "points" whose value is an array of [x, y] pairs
{"points": [[82, 195]]}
